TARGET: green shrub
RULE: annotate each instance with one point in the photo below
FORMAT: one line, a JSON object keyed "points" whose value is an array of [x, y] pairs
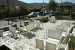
{"points": [[71, 43], [15, 25], [71, 29], [6, 29], [21, 26], [31, 20], [25, 23], [45, 19]]}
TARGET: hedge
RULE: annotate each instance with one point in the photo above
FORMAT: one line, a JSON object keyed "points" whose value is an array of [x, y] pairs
{"points": [[44, 20], [66, 14], [71, 29], [71, 43]]}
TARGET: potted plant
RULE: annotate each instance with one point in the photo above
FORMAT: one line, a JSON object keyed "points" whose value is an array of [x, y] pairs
{"points": [[71, 29], [71, 43]]}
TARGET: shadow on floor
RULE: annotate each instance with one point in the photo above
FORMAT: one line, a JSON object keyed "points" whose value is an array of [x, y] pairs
{"points": [[29, 35], [36, 29], [3, 47]]}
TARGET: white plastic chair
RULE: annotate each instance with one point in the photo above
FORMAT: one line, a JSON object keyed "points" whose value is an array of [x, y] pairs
{"points": [[12, 31], [50, 46], [39, 44], [58, 27], [52, 19], [55, 34], [36, 23], [66, 24]]}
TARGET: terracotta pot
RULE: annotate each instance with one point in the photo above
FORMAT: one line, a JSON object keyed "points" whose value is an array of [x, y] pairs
{"points": [[71, 48]]}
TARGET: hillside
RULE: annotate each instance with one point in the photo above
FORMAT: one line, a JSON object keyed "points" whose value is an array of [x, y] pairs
{"points": [[38, 5], [14, 3]]}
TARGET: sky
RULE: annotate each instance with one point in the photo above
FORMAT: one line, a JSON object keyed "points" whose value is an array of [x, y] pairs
{"points": [[47, 1]]}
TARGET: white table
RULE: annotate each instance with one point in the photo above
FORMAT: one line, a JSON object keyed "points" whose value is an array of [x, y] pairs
{"points": [[23, 28], [6, 33]]}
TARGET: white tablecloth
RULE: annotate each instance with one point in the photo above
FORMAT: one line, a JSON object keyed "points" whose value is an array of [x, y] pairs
{"points": [[8, 33], [23, 28]]}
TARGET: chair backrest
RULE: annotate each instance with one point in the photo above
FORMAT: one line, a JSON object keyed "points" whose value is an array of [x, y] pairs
{"points": [[55, 34], [18, 25], [39, 44], [22, 23], [58, 27], [52, 18], [12, 29], [50, 46], [37, 23], [66, 23], [64, 28], [1, 33]]}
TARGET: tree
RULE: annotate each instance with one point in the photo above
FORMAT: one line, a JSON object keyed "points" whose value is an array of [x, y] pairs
{"points": [[22, 10], [13, 12], [52, 5], [2, 10]]}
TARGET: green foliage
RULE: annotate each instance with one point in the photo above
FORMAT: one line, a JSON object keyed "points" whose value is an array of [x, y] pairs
{"points": [[13, 12], [71, 43], [45, 19], [22, 10], [25, 23], [33, 10], [72, 29], [14, 25], [21, 26], [6, 29], [3, 11], [52, 5]]}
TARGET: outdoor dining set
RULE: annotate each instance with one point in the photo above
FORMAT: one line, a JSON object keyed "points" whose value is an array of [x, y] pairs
{"points": [[26, 27], [53, 39]]}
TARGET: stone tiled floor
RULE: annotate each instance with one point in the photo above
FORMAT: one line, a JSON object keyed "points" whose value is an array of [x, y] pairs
{"points": [[25, 42]]}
